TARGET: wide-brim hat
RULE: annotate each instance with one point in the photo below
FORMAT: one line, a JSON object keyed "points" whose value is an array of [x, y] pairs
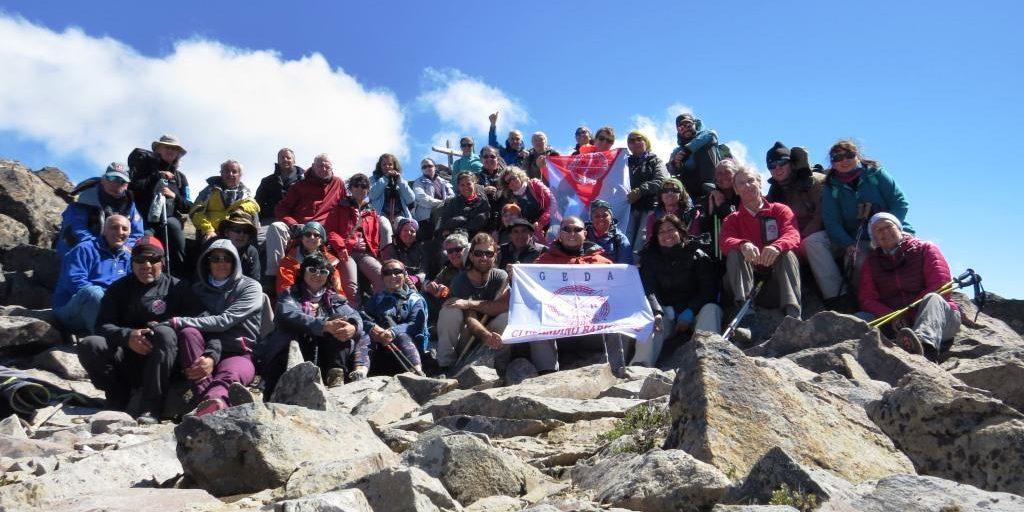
{"points": [[170, 141], [240, 219]]}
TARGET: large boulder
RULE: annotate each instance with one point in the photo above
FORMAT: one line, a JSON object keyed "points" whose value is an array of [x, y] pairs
{"points": [[777, 468], [40, 265], [63, 361], [319, 477], [12, 233], [659, 480], [301, 385], [1010, 311], [913, 493], [348, 500], [266, 443], [729, 410], [470, 468], [405, 490], [822, 329], [31, 201], [423, 389], [18, 331], [953, 431], [1000, 373]]}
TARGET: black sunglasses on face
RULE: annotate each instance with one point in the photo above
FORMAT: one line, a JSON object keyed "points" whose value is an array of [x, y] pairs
{"points": [[318, 271], [776, 165], [220, 259], [483, 254], [605, 139], [572, 229], [392, 272], [310, 234], [839, 157], [152, 260]]}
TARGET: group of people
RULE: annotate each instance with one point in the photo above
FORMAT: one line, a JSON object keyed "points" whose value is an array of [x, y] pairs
{"points": [[377, 275]]}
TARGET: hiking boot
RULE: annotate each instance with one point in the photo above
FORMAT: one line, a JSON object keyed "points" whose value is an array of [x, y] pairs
{"points": [[335, 377], [909, 341], [147, 418], [238, 394]]}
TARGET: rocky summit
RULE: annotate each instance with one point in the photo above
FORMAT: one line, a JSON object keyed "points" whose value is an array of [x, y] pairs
{"points": [[821, 414]]}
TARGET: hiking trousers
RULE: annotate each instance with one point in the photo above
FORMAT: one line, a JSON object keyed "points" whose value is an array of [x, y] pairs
{"points": [[782, 289]]}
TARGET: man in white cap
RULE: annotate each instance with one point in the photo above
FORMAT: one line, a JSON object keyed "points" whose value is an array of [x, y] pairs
{"points": [[95, 199]]}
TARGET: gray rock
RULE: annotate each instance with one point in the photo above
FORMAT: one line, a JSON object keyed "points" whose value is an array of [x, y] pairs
{"points": [[266, 442], [348, 500], [822, 329], [628, 389], [469, 468], [22, 289], [778, 468], [294, 355], [477, 377], [301, 385], [729, 410], [11, 427], [63, 361], [346, 398], [239, 394], [143, 465], [55, 178], [860, 392], [31, 201], [405, 490], [419, 423], [753, 508], [657, 480], [496, 504], [12, 233], [888, 363], [825, 359], [137, 500], [391, 403], [19, 331], [657, 384], [1000, 373], [953, 431], [498, 427], [518, 370], [530, 407], [17, 447], [397, 439], [105, 422], [40, 263], [424, 389], [912, 493], [320, 477]]}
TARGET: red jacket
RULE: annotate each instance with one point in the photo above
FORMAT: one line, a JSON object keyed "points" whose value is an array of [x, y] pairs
{"points": [[740, 226], [543, 195], [288, 270], [310, 199], [346, 224], [591, 254], [889, 282]]}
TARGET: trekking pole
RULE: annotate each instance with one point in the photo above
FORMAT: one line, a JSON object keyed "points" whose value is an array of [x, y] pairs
{"points": [[850, 266], [717, 228], [168, 256], [968, 278], [731, 329], [397, 352], [469, 342]]}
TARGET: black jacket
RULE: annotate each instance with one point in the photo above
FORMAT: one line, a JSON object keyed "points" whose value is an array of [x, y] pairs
{"points": [[272, 189], [646, 172], [682, 277], [508, 254], [129, 304], [145, 168]]}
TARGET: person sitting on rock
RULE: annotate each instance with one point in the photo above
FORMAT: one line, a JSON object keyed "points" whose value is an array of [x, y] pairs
{"points": [[312, 240], [223, 195], [673, 199], [394, 320], [215, 346], [469, 204], [899, 270], [273, 188], [87, 271], [242, 231], [126, 353], [693, 161], [760, 238], [319, 318], [719, 201], [356, 232], [532, 196], [604, 231], [437, 287], [514, 151], [154, 174], [95, 200], [408, 249], [521, 246]]}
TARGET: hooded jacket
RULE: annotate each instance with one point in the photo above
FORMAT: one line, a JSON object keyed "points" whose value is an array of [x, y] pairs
{"points": [[891, 281], [590, 253], [130, 304], [215, 202], [699, 166], [272, 190], [145, 168], [471, 163], [646, 173], [391, 199], [681, 277], [839, 203], [83, 219], [311, 198], [230, 314], [90, 263]]}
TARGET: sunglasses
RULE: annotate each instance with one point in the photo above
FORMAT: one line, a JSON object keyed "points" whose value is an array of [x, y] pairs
{"points": [[490, 157], [776, 165], [392, 272], [310, 234], [427, 167], [465, 145], [839, 157], [483, 254], [359, 185], [318, 271], [116, 179], [220, 259], [605, 139], [152, 260], [670, 191], [634, 139], [454, 250], [572, 229]]}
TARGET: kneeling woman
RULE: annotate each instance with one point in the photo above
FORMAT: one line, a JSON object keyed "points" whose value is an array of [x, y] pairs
{"points": [[215, 347], [317, 316]]}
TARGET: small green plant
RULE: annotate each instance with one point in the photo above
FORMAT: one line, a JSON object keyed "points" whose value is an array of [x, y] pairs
{"points": [[646, 424], [794, 498], [7, 480]]}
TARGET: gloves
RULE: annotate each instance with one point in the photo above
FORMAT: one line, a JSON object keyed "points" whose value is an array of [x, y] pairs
{"points": [[358, 374]]}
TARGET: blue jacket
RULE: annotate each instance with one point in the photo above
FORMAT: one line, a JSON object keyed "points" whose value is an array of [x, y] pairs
{"points": [[510, 156], [471, 163], [378, 195], [83, 219], [404, 312], [615, 244], [698, 168], [90, 263], [839, 203]]}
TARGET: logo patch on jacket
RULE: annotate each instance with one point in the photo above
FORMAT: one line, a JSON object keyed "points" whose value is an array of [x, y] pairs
{"points": [[158, 307]]}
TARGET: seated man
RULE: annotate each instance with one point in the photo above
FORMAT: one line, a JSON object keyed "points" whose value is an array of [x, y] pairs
{"points": [[395, 316], [479, 295], [223, 195], [319, 318], [455, 250], [86, 272], [761, 237], [95, 200], [126, 353], [900, 269], [521, 247]]}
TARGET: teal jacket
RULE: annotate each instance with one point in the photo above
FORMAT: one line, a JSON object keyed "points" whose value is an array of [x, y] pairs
{"points": [[839, 203]]}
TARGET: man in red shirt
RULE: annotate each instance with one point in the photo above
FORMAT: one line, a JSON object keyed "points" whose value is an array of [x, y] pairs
{"points": [[760, 237]]}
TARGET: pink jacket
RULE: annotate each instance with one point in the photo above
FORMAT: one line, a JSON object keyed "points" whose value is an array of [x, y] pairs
{"points": [[889, 282]]}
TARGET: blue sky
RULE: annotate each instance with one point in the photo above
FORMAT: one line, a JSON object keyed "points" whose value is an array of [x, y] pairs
{"points": [[931, 89]]}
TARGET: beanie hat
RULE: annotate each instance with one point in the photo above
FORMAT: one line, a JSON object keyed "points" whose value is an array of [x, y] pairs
{"points": [[778, 153], [315, 227], [685, 117], [600, 203], [402, 221], [878, 217], [647, 142], [149, 245]]}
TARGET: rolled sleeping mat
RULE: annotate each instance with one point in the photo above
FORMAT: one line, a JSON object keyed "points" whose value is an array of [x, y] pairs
{"points": [[22, 397]]}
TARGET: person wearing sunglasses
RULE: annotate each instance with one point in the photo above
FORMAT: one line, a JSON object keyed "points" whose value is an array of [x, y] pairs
{"points": [[794, 184], [126, 353], [396, 315], [312, 240], [468, 161], [646, 174], [156, 178], [240, 228], [533, 197], [408, 249], [514, 151], [604, 139], [471, 204], [356, 232], [310, 199], [584, 141], [673, 200], [455, 251], [215, 345], [95, 199], [431, 190], [320, 319], [693, 161], [222, 195], [86, 271], [853, 181]]}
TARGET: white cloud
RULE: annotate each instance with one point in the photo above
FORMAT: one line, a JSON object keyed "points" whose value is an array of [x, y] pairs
{"points": [[98, 98], [462, 104], [661, 132]]}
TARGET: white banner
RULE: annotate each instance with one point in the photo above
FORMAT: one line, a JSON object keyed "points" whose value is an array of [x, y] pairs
{"points": [[560, 301]]}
